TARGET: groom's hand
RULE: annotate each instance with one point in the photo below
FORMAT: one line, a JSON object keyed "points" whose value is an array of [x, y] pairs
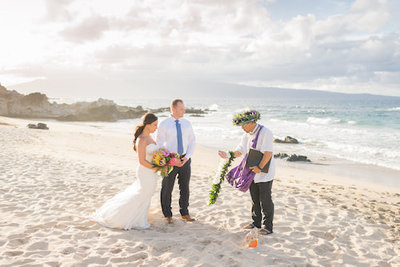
{"points": [[184, 160]]}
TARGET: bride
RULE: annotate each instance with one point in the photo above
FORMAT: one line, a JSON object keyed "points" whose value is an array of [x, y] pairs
{"points": [[129, 209]]}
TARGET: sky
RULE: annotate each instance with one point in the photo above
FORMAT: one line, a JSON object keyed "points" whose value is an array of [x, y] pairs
{"points": [[127, 48]]}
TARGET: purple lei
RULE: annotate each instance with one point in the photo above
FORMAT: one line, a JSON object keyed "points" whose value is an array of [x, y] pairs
{"points": [[240, 177]]}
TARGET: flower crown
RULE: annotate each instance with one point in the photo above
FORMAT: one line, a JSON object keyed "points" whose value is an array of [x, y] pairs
{"points": [[246, 117]]}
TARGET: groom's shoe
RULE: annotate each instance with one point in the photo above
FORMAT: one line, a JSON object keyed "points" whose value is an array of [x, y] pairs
{"points": [[188, 218], [169, 220]]}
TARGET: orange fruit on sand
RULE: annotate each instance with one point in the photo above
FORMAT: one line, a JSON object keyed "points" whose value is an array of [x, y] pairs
{"points": [[253, 244]]}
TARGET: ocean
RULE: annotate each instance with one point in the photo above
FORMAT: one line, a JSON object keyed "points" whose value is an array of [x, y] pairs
{"points": [[360, 128]]}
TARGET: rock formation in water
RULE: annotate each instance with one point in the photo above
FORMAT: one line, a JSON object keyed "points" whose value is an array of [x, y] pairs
{"points": [[288, 140]]}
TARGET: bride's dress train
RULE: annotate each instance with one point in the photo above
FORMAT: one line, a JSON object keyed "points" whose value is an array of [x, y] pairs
{"points": [[129, 209]]}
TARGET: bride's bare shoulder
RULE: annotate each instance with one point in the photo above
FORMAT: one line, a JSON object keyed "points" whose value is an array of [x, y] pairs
{"points": [[143, 141]]}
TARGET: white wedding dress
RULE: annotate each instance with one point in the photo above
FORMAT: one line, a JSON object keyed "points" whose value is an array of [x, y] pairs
{"points": [[129, 209]]}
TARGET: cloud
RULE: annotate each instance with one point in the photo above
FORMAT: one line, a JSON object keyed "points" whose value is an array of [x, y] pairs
{"points": [[90, 29], [368, 15], [234, 41], [57, 10], [150, 55], [241, 43]]}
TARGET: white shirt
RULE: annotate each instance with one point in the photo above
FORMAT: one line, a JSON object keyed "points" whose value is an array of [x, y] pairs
{"points": [[167, 136], [264, 144]]}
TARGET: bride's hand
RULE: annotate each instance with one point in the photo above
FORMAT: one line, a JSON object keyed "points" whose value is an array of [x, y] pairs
{"points": [[223, 154], [178, 163]]}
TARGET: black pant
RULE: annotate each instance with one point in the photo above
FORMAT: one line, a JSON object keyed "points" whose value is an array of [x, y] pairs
{"points": [[262, 201], [168, 185]]}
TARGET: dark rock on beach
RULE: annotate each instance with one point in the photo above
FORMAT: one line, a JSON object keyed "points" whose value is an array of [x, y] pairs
{"points": [[41, 126], [287, 140], [295, 157], [292, 157], [281, 155]]}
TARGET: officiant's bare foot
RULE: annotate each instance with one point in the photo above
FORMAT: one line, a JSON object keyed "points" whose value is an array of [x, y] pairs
{"points": [[188, 218], [249, 226], [169, 220]]}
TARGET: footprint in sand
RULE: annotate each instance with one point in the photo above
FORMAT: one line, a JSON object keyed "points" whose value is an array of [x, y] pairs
{"points": [[68, 250], [291, 200], [39, 246], [110, 241], [307, 218], [323, 235], [324, 249], [360, 230], [232, 222], [284, 229], [18, 242], [116, 251], [94, 260], [42, 253], [53, 263], [376, 235], [131, 259], [299, 229], [13, 253]]}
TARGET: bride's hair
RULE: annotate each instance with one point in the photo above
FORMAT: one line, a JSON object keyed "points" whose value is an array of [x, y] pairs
{"points": [[148, 118]]}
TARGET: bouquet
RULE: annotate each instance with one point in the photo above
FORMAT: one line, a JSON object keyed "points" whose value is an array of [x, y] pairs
{"points": [[163, 161]]}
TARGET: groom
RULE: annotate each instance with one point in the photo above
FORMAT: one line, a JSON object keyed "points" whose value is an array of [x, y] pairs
{"points": [[176, 134]]}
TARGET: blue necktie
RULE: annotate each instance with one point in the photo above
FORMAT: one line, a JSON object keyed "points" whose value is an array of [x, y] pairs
{"points": [[179, 137]]}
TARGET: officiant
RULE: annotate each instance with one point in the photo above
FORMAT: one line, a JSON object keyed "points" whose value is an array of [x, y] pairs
{"points": [[257, 137]]}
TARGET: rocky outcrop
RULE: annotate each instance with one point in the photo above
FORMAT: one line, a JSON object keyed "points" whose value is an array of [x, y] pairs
{"points": [[292, 157], [288, 140], [101, 110], [4, 97], [37, 105], [193, 111], [41, 126], [281, 155], [295, 157]]}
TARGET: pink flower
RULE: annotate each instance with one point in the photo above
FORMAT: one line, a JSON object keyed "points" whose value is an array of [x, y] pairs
{"points": [[165, 153], [173, 162]]}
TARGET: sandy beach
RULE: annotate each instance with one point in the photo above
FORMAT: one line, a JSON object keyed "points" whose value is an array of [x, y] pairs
{"points": [[51, 181]]}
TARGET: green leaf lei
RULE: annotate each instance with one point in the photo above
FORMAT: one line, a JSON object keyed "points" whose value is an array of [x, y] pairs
{"points": [[215, 188], [246, 117]]}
